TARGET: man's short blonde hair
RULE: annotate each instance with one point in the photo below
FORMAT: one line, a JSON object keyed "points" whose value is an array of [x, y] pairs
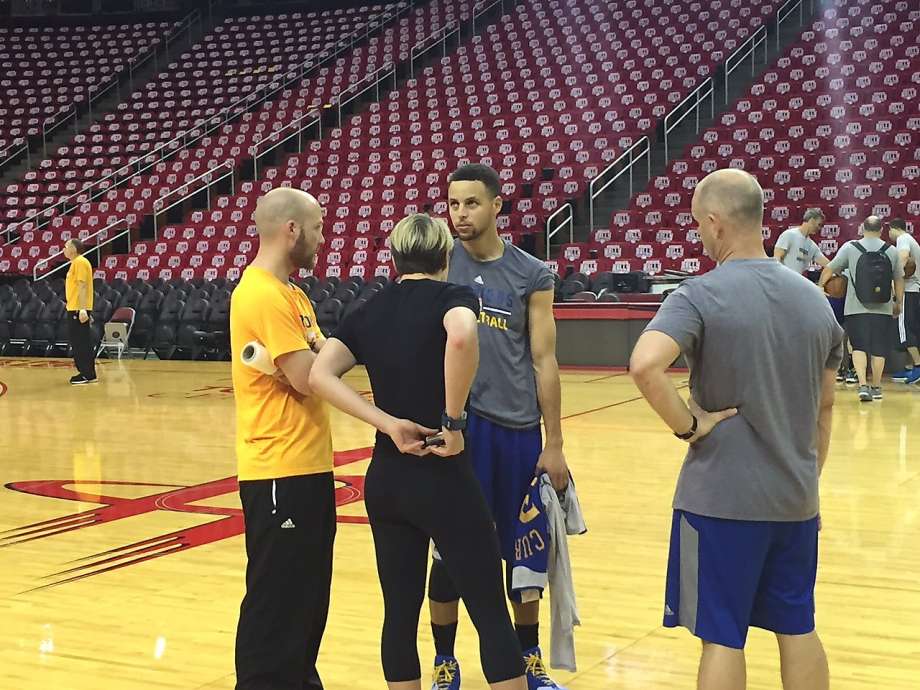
{"points": [[420, 244]]}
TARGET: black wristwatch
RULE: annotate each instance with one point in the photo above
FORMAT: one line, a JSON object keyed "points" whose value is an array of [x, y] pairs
{"points": [[688, 435], [452, 424]]}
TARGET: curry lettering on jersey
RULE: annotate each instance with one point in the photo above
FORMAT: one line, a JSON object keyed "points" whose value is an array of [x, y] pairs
{"points": [[530, 534]]}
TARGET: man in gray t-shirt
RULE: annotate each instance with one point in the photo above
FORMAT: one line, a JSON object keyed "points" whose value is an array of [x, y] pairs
{"points": [[795, 249], [516, 385], [869, 325], [763, 347], [505, 389]]}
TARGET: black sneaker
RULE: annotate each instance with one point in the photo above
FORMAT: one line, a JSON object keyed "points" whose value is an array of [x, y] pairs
{"points": [[851, 377], [841, 376], [79, 380]]}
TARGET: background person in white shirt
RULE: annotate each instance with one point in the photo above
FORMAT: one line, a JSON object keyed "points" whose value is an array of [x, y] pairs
{"points": [[796, 250]]}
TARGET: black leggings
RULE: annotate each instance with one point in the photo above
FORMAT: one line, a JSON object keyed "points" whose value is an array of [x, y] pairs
{"points": [[410, 502], [441, 588]]}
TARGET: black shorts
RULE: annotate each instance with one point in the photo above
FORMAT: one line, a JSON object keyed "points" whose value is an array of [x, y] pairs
{"points": [[870, 333], [909, 321]]}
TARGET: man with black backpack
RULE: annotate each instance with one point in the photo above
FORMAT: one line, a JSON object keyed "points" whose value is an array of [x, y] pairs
{"points": [[875, 294]]}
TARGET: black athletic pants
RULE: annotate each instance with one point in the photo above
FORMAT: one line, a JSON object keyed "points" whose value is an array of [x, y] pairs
{"points": [[290, 529], [81, 342], [410, 502], [909, 321]]}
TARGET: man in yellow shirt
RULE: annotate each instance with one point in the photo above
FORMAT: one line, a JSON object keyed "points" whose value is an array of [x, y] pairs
{"points": [[284, 454], [79, 293]]}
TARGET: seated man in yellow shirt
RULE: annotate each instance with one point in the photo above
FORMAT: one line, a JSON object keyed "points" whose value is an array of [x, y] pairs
{"points": [[284, 454], [79, 293]]}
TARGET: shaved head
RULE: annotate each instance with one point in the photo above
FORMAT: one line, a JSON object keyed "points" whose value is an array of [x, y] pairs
{"points": [[290, 226], [733, 195], [282, 206], [872, 224], [728, 207]]}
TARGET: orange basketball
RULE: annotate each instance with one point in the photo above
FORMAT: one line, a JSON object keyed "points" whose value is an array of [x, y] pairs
{"points": [[836, 287], [910, 268]]}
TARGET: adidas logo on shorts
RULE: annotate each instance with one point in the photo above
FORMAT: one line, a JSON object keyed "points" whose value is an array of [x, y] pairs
{"points": [[288, 524]]}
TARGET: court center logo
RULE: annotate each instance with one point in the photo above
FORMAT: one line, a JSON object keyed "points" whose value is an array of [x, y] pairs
{"points": [[181, 499]]}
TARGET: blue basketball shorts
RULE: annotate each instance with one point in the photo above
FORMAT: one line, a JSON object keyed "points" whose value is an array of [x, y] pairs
{"points": [[727, 575], [505, 461]]}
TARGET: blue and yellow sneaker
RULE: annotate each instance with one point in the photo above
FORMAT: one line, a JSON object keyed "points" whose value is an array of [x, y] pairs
{"points": [[537, 678], [446, 674]]}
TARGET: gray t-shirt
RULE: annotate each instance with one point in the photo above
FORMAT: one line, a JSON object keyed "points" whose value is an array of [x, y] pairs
{"points": [[912, 247], [505, 389], [847, 258], [757, 337], [801, 251]]}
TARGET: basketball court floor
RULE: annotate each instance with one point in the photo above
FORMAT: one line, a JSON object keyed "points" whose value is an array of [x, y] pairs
{"points": [[122, 557]]}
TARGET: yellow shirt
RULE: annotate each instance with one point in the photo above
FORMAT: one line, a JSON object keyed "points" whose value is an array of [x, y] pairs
{"points": [[279, 432], [80, 271]]}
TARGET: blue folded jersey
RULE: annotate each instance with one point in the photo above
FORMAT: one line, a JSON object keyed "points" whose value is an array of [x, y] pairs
{"points": [[531, 547]]}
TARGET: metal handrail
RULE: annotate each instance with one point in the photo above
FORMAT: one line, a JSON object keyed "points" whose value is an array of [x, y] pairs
{"points": [[212, 122], [485, 7], [633, 158], [317, 120], [96, 248], [785, 11], [71, 110], [567, 221], [120, 172], [184, 25], [373, 82], [747, 48], [187, 192], [697, 96], [68, 112], [15, 154], [211, 4], [430, 41]]}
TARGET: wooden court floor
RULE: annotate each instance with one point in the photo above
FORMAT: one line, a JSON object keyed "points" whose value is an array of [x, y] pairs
{"points": [[122, 560]]}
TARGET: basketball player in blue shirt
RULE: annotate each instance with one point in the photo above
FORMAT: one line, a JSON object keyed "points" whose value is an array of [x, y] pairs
{"points": [[517, 384]]}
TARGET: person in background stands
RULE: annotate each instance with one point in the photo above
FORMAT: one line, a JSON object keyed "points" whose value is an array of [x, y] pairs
{"points": [[875, 293], [79, 293], [795, 249]]}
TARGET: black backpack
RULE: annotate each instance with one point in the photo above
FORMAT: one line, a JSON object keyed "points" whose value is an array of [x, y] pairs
{"points": [[873, 275]]}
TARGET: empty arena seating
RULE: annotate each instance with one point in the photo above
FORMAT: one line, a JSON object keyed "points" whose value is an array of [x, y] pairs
{"points": [[834, 124], [195, 89], [549, 95], [241, 55], [48, 68]]}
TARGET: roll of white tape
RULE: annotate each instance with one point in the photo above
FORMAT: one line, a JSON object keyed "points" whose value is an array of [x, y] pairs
{"points": [[256, 356]]}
